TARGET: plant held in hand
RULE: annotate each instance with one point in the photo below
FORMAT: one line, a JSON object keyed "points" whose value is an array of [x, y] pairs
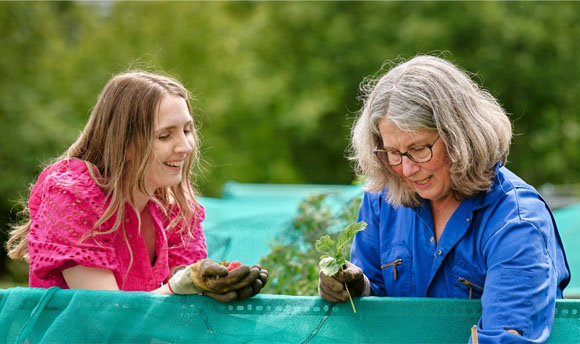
{"points": [[333, 257]]}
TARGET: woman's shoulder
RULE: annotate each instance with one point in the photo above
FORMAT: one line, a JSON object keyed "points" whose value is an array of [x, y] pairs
{"points": [[376, 203], [509, 187], [69, 175], [512, 199], [375, 195]]}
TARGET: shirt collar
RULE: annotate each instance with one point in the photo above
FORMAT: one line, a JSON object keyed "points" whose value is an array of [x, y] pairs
{"points": [[480, 200], [496, 190]]}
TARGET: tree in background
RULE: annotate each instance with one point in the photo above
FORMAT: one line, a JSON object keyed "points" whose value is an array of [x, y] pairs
{"points": [[277, 83]]}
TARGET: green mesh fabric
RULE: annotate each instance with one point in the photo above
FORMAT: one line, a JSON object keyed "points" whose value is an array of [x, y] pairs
{"points": [[240, 226], [81, 316], [241, 230], [568, 220]]}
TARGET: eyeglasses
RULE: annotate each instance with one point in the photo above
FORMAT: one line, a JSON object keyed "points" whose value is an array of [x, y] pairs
{"points": [[417, 154]]}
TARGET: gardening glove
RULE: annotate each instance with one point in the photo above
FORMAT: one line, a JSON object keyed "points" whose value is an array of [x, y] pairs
{"points": [[332, 288], [212, 279], [256, 286]]}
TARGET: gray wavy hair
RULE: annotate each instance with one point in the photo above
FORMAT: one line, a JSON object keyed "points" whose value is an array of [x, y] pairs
{"points": [[430, 93]]}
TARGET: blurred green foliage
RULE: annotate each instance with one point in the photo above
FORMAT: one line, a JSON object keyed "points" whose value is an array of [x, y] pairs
{"points": [[277, 82], [293, 260]]}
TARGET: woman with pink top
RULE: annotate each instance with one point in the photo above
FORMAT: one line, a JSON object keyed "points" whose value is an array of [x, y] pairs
{"points": [[118, 212]]}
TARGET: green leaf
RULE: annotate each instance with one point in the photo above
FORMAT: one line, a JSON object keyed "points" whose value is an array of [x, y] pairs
{"points": [[329, 266], [333, 258], [340, 259], [347, 234], [326, 245]]}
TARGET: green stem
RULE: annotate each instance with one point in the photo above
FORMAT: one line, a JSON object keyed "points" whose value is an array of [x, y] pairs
{"points": [[350, 298]]}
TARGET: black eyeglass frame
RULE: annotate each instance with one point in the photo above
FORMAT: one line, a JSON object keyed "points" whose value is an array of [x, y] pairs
{"points": [[376, 151]]}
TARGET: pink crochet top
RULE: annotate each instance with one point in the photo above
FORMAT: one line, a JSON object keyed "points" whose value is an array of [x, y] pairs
{"points": [[64, 205]]}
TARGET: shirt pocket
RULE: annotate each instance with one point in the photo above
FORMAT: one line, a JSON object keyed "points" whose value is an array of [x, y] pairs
{"points": [[396, 264], [468, 283], [517, 292]]}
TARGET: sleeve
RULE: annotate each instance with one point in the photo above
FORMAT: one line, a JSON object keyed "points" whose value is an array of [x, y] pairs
{"points": [[65, 210], [365, 250], [185, 249], [522, 281]]}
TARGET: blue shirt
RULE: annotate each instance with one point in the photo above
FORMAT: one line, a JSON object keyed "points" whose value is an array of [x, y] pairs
{"points": [[501, 246]]}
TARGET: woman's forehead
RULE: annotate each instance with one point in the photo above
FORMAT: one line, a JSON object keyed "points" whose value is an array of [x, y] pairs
{"points": [[171, 112], [389, 128]]}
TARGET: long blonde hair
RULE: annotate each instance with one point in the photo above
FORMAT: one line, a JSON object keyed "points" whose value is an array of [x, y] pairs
{"points": [[430, 93], [123, 120]]}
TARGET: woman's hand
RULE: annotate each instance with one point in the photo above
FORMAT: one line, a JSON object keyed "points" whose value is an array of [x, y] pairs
{"points": [[332, 288], [256, 286], [212, 279]]}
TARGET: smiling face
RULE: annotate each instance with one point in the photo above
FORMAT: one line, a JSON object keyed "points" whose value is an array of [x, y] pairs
{"points": [[431, 179], [173, 141]]}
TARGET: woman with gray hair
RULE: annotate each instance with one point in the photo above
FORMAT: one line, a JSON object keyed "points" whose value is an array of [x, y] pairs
{"points": [[445, 217]]}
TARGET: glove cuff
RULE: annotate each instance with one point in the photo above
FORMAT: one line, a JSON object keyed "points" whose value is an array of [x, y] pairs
{"points": [[182, 283], [170, 289], [367, 288], [177, 269], [191, 289]]}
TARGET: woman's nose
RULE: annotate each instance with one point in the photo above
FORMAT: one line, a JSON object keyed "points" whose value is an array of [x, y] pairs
{"points": [[409, 166], [185, 145]]}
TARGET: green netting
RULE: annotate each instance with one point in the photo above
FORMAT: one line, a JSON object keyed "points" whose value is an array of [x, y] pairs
{"points": [[81, 316], [241, 230], [296, 192], [568, 220], [241, 224]]}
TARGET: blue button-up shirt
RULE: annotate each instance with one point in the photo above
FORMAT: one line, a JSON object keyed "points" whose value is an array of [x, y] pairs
{"points": [[501, 246]]}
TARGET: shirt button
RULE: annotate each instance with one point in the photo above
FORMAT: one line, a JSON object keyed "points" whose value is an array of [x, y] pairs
{"points": [[439, 252], [467, 219], [432, 240]]}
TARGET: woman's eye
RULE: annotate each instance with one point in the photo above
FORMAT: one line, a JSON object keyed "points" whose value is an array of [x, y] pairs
{"points": [[164, 137]]}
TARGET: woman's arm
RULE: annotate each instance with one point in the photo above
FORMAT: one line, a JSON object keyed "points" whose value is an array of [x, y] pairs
{"points": [[365, 250], [82, 277], [520, 287]]}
